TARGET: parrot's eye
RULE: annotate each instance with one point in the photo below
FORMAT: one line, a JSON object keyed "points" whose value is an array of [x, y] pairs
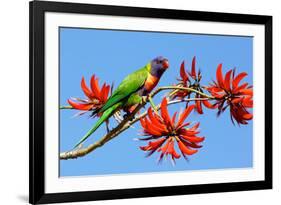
{"points": [[159, 61]]}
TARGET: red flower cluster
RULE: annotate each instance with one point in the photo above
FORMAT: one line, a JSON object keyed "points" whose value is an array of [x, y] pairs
{"points": [[229, 93], [191, 79], [96, 96], [164, 131]]}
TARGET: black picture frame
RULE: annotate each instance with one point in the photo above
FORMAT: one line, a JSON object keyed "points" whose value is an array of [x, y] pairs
{"points": [[37, 10]]}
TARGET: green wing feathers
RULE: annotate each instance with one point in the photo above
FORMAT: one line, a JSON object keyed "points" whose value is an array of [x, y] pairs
{"points": [[129, 86]]}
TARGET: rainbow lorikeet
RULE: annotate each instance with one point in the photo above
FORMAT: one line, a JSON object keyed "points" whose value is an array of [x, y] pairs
{"points": [[130, 91]]}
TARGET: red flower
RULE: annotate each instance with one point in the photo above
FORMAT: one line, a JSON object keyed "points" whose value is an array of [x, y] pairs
{"points": [[191, 79], [164, 131], [96, 96], [227, 91]]}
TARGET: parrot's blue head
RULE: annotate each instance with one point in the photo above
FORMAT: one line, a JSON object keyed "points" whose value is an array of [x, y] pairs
{"points": [[158, 66]]}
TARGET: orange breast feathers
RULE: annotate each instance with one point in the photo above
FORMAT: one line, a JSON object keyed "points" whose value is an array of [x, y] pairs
{"points": [[150, 82]]}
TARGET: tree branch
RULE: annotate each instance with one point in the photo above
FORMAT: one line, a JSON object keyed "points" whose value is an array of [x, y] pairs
{"points": [[124, 125], [128, 121], [113, 133]]}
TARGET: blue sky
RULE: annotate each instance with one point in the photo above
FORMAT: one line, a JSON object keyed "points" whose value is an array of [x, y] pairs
{"points": [[112, 55]]}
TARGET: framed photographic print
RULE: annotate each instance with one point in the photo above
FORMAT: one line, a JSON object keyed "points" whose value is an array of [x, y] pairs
{"points": [[140, 102]]}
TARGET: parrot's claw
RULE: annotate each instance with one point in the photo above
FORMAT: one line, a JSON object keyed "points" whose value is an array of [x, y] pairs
{"points": [[126, 115]]}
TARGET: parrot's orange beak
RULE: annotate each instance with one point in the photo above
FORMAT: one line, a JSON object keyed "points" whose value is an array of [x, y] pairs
{"points": [[165, 64]]}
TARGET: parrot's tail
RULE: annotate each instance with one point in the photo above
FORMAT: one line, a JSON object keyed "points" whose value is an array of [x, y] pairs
{"points": [[107, 114]]}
